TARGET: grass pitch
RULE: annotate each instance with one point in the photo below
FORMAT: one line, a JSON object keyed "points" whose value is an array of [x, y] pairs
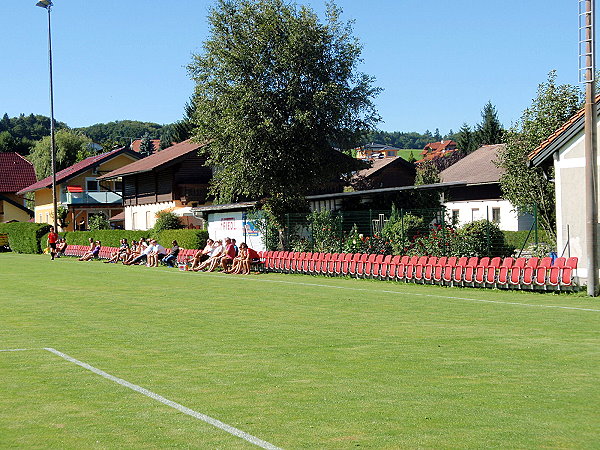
{"points": [[298, 361]]}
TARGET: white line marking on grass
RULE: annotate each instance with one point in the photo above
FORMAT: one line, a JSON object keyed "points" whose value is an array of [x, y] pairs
{"points": [[17, 349], [298, 283], [190, 412]]}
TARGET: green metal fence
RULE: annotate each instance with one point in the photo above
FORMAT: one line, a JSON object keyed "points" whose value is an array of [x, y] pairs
{"points": [[398, 231]]}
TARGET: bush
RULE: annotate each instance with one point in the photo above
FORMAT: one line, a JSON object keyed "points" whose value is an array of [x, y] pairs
{"points": [[482, 238], [400, 231], [438, 242], [98, 222], [25, 237], [167, 220], [325, 230]]}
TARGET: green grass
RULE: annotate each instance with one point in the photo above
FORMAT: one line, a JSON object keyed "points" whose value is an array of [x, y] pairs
{"points": [[405, 153], [299, 361]]}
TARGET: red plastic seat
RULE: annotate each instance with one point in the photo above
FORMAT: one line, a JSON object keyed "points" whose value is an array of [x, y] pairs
{"points": [[492, 270], [469, 272], [438, 270], [459, 270], [448, 269], [347, 263], [504, 271], [364, 269], [407, 263], [385, 267], [340, 263], [529, 271], [421, 269], [566, 278], [556, 271], [516, 272], [396, 267], [359, 266], [480, 270]]}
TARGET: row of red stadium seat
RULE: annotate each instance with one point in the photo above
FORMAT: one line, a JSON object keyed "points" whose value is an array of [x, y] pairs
{"points": [[460, 271]]}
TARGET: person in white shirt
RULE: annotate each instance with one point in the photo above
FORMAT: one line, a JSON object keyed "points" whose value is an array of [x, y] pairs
{"points": [[157, 252], [142, 257]]}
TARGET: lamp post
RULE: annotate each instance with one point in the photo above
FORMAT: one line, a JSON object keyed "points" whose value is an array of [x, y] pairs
{"points": [[47, 4]]}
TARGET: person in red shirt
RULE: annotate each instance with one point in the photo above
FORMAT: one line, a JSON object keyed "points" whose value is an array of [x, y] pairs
{"points": [[228, 254], [52, 240]]}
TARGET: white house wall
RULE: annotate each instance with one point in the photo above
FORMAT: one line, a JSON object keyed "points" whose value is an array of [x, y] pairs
{"points": [[468, 211], [232, 225], [143, 217], [569, 168]]}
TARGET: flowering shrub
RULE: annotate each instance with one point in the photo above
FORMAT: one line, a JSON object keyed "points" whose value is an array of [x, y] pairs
{"points": [[400, 231], [326, 231]]}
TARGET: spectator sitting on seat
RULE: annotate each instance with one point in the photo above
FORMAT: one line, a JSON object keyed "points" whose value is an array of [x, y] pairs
{"points": [[132, 252], [121, 252], [93, 254], [237, 265], [228, 254], [141, 257], [61, 247], [171, 258], [214, 257], [202, 254], [157, 253]]}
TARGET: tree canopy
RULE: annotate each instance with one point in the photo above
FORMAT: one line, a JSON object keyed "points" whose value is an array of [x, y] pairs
{"points": [[18, 134], [276, 91], [489, 131], [71, 147], [525, 186]]}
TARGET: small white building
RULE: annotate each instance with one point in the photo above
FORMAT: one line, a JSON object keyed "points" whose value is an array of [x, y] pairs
{"points": [[480, 197], [564, 151], [231, 221]]}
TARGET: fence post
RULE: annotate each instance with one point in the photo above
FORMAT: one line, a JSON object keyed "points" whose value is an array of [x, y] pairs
{"points": [[535, 219], [402, 226], [444, 236], [487, 226]]}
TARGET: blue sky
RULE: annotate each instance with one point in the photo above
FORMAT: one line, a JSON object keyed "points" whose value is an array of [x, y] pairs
{"points": [[438, 61]]}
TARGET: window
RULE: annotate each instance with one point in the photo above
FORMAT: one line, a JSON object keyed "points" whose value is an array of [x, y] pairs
{"points": [[149, 222], [134, 220], [91, 184], [455, 216], [474, 214], [496, 215], [391, 153]]}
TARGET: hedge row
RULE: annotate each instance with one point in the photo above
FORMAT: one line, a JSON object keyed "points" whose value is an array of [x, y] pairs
{"points": [[25, 237], [112, 238], [515, 239]]}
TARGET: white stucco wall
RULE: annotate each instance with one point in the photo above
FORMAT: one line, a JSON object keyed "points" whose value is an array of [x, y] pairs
{"points": [[569, 168], [468, 211], [232, 225], [143, 217]]}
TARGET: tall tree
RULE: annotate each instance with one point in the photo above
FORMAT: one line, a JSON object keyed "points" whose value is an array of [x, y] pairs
{"points": [[146, 146], [465, 139], [437, 135], [489, 131], [71, 147], [525, 186], [184, 128], [276, 91]]}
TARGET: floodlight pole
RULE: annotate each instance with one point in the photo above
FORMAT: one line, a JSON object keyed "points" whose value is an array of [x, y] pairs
{"points": [[46, 4], [591, 209]]}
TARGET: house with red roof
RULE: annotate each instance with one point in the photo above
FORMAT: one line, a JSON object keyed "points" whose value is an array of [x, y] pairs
{"points": [[78, 189], [435, 150], [16, 173], [174, 179]]}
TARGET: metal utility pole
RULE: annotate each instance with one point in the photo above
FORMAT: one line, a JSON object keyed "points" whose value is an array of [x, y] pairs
{"points": [[47, 4], [587, 75]]}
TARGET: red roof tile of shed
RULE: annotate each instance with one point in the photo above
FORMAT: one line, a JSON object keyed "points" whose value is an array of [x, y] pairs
{"points": [[15, 172]]}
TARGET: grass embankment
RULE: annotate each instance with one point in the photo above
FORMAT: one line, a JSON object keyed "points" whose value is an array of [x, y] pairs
{"points": [[300, 362]]}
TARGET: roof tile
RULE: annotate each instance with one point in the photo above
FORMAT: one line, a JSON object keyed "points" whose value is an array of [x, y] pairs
{"points": [[16, 172]]}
